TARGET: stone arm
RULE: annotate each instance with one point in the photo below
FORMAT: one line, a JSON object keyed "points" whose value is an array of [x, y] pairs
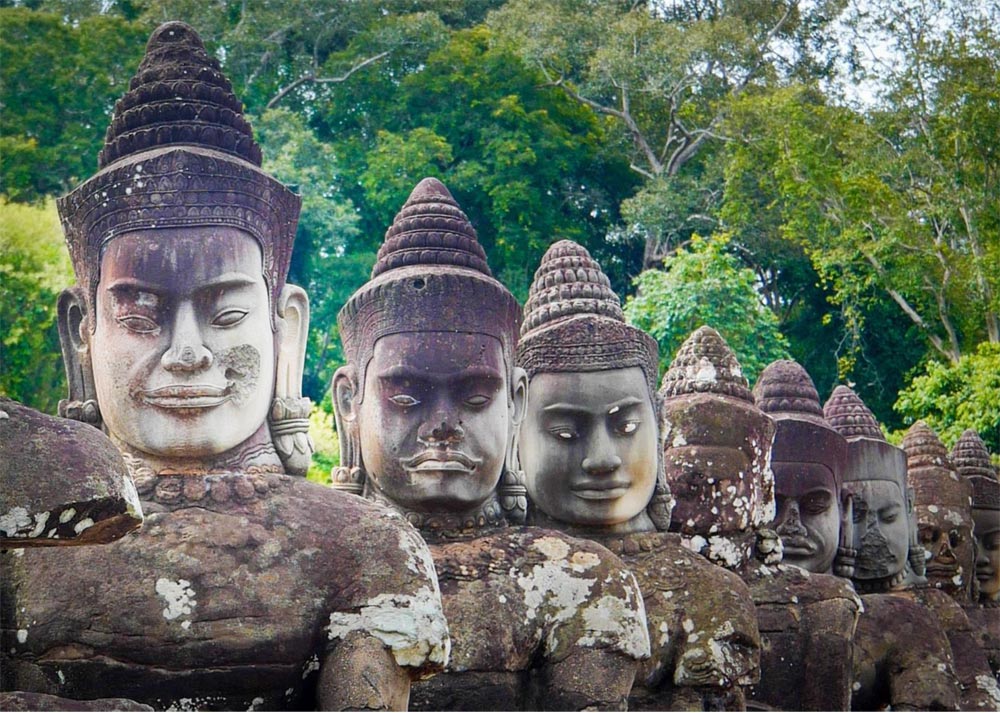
{"points": [[587, 679], [828, 653], [360, 673], [902, 653]]}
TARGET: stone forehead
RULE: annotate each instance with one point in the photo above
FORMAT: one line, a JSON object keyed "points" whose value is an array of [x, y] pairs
{"points": [[847, 413], [785, 388], [705, 364]]}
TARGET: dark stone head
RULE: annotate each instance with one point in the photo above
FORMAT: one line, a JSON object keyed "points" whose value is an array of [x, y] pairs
{"points": [[972, 461]]}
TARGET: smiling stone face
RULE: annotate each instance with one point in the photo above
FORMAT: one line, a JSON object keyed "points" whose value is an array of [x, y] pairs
{"points": [[183, 349], [435, 418], [588, 445]]}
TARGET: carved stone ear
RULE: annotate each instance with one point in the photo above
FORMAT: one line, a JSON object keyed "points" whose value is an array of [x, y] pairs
{"points": [[349, 475], [290, 410], [519, 395], [74, 338]]}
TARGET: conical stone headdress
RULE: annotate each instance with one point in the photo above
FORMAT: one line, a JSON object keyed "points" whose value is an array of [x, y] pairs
{"points": [[972, 461], [431, 275], [850, 417], [573, 320], [786, 392], [705, 364], [179, 153], [931, 474]]}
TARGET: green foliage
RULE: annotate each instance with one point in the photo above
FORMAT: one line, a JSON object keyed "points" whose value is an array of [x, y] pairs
{"points": [[328, 222], [58, 85], [326, 446], [706, 285], [954, 397], [34, 267]]}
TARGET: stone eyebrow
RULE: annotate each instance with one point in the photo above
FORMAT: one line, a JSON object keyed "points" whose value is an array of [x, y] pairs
{"points": [[401, 372], [612, 408], [230, 280]]}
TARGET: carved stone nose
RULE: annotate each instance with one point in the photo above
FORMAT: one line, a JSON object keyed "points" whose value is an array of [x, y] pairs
{"points": [[442, 432], [187, 358]]}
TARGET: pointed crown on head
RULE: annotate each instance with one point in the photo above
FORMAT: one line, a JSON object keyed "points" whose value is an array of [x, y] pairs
{"points": [[179, 153], [972, 461], [573, 320], [786, 392], [850, 417], [705, 364], [431, 275], [930, 471]]}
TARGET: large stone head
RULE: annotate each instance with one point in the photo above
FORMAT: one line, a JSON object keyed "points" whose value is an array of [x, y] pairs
{"points": [[882, 527], [429, 401], [972, 461], [943, 504], [182, 330], [808, 460], [716, 451], [588, 444]]}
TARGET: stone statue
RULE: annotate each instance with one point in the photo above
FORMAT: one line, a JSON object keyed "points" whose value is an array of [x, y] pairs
{"points": [[808, 459], [972, 461], [717, 448], [427, 411], [938, 649], [943, 505], [590, 451], [64, 483], [246, 587]]}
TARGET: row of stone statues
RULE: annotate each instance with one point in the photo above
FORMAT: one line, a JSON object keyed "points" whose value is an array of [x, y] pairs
{"points": [[525, 516]]}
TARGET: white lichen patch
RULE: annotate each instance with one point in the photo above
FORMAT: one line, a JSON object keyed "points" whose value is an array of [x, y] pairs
{"points": [[705, 373], [412, 626], [312, 664], [255, 704], [664, 630], [40, 521], [178, 595], [988, 685], [15, 522], [22, 636], [582, 561], [555, 586], [687, 625], [953, 517], [83, 525], [552, 547], [933, 508], [418, 557], [617, 623], [66, 515], [724, 552], [679, 440], [696, 544]]}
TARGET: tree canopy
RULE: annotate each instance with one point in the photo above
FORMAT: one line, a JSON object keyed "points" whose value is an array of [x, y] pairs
{"points": [[842, 157]]}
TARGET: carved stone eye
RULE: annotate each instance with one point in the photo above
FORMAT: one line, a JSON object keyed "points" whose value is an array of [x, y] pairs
{"points": [[230, 317], [404, 400], [139, 324]]}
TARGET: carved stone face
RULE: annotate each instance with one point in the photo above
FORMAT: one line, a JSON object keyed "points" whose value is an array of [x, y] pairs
{"points": [[716, 454], [946, 536], [881, 528], [808, 518], [183, 350], [987, 552], [435, 420], [588, 445]]}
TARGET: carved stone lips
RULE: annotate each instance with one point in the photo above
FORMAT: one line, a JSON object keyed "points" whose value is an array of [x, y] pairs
{"points": [[797, 545], [187, 396], [602, 490], [440, 461]]}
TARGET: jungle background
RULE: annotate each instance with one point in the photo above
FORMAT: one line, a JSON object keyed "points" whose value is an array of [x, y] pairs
{"points": [[816, 179]]}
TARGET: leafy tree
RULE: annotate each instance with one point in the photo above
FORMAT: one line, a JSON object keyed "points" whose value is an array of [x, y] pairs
{"points": [[328, 221], [34, 268], [58, 85], [954, 397], [704, 284], [664, 73]]}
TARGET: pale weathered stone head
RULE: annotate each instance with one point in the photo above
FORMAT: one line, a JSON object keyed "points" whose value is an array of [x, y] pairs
{"points": [[943, 505], [63, 483], [716, 448], [972, 461], [182, 335], [808, 460], [429, 401], [883, 527], [588, 444]]}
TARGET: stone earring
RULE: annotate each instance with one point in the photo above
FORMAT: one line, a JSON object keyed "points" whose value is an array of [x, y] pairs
{"points": [[289, 422], [513, 496], [85, 411]]}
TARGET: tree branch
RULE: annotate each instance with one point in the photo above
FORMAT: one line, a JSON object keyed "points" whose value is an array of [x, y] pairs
{"points": [[311, 78]]}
